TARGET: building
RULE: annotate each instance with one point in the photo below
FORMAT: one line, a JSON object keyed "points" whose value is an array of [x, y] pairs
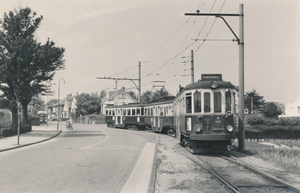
{"points": [[67, 106], [116, 97], [293, 109]]}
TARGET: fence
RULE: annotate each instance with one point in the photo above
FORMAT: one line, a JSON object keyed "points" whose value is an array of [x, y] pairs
{"points": [[90, 119]]}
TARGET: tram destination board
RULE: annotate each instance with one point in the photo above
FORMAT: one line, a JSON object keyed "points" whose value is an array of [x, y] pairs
{"points": [[211, 77]]}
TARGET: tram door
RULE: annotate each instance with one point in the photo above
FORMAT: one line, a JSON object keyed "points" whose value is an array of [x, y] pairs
{"points": [[156, 122]]}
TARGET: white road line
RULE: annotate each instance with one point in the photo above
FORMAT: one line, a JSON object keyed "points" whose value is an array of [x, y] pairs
{"points": [[96, 143]]}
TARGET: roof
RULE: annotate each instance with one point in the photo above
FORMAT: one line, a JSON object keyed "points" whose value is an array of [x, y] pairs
{"points": [[113, 94]]}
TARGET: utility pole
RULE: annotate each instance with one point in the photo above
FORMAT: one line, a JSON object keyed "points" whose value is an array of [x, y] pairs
{"points": [[241, 65], [192, 66], [131, 79]]}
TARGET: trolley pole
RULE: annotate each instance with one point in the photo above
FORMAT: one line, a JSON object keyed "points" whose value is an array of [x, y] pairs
{"points": [[192, 66], [241, 65]]}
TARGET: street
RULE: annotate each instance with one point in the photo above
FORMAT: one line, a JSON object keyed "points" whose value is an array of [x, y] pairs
{"points": [[90, 158]]}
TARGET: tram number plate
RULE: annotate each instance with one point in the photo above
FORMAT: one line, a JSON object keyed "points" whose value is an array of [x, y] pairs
{"points": [[218, 121]]}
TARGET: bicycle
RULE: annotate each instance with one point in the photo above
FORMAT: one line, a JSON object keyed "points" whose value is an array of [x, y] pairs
{"points": [[69, 125]]}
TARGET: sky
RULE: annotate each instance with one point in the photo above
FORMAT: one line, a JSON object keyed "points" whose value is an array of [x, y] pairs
{"points": [[108, 38]]}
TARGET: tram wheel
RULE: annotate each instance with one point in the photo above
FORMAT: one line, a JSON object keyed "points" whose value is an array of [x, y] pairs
{"points": [[170, 132]]}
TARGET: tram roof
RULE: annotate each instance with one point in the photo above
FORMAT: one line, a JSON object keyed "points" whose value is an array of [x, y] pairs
{"points": [[141, 105], [206, 84]]}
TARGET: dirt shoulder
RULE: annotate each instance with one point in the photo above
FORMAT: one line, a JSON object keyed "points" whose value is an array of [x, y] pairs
{"points": [[176, 173]]}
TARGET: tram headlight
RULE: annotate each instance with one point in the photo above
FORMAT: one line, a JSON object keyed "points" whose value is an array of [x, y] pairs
{"points": [[213, 84], [198, 128], [229, 128]]}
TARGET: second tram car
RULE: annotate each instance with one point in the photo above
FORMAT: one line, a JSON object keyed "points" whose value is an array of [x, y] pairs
{"points": [[206, 114]]}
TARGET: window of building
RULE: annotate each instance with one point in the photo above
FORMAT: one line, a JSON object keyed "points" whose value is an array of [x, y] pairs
{"points": [[206, 102], [217, 102], [122, 96]]}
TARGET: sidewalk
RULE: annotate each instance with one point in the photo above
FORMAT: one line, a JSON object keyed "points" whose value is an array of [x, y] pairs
{"points": [[38, 134]]}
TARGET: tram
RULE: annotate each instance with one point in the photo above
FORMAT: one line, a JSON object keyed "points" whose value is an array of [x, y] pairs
{"points": [[206, 114]]}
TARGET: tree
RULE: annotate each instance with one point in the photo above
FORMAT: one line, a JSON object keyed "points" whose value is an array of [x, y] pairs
{"points": [[253, 98], [149, 97], [271, 110], [88, 103], [26, 66], [37, 103], [132, 94]]}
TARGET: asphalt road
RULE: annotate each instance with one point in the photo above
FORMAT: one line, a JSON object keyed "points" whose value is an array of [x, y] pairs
{"points": [[90, 158]]}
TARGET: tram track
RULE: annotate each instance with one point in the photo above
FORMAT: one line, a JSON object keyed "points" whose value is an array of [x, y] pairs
{"points": [[239, 176]]}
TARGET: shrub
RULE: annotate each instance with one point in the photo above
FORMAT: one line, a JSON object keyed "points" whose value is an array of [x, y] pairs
{"points": [[255, 120], [7, 132], [293, 121]]}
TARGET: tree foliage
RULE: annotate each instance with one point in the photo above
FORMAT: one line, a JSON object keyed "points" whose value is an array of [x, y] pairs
{"points": [[271, 110], [258, 101], [26, 66], [88, 103], [37, 103], [149, 97]]}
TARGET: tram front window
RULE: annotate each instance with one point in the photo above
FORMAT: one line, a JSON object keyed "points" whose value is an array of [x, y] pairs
{"points": [[217, 102], [228, 101], [188, 104], [206, 102], [197, 102]]}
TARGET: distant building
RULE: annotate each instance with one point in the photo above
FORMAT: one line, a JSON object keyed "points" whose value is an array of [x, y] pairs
{"points": [[293, 109], [67, 107], [116, 97]]}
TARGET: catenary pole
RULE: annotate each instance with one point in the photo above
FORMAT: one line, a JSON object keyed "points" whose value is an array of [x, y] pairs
{"points": [[140, 82], [241, 65], [192, 66], [241, 81]]}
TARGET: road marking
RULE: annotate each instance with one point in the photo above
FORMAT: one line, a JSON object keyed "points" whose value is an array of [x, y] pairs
{"points": [[96, 143]]}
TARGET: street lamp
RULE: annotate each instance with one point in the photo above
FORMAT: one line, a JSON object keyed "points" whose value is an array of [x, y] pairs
{"points": [[58, 110]]}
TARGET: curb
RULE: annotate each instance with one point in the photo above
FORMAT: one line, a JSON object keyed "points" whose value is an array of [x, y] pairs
{"points": [[28, 144]]}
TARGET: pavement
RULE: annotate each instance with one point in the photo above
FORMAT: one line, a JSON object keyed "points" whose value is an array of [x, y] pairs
{"points": [[141, 179], [38, 134]]}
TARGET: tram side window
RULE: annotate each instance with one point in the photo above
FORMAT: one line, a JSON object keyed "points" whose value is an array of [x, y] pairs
{"points": [[146, 112], [124, 111], [109, 112], [113, 112], [133, 111], [106, 112], [161, 111], [152, 111], [206, 102], [197, 102], [128, 112], [188, 104], [228, 101], [142, 111], [217, 102], [119, 112]]}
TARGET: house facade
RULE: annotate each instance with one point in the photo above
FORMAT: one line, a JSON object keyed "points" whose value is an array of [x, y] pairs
{"points": [[293, 109], [116, 97], [65, 108]]}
